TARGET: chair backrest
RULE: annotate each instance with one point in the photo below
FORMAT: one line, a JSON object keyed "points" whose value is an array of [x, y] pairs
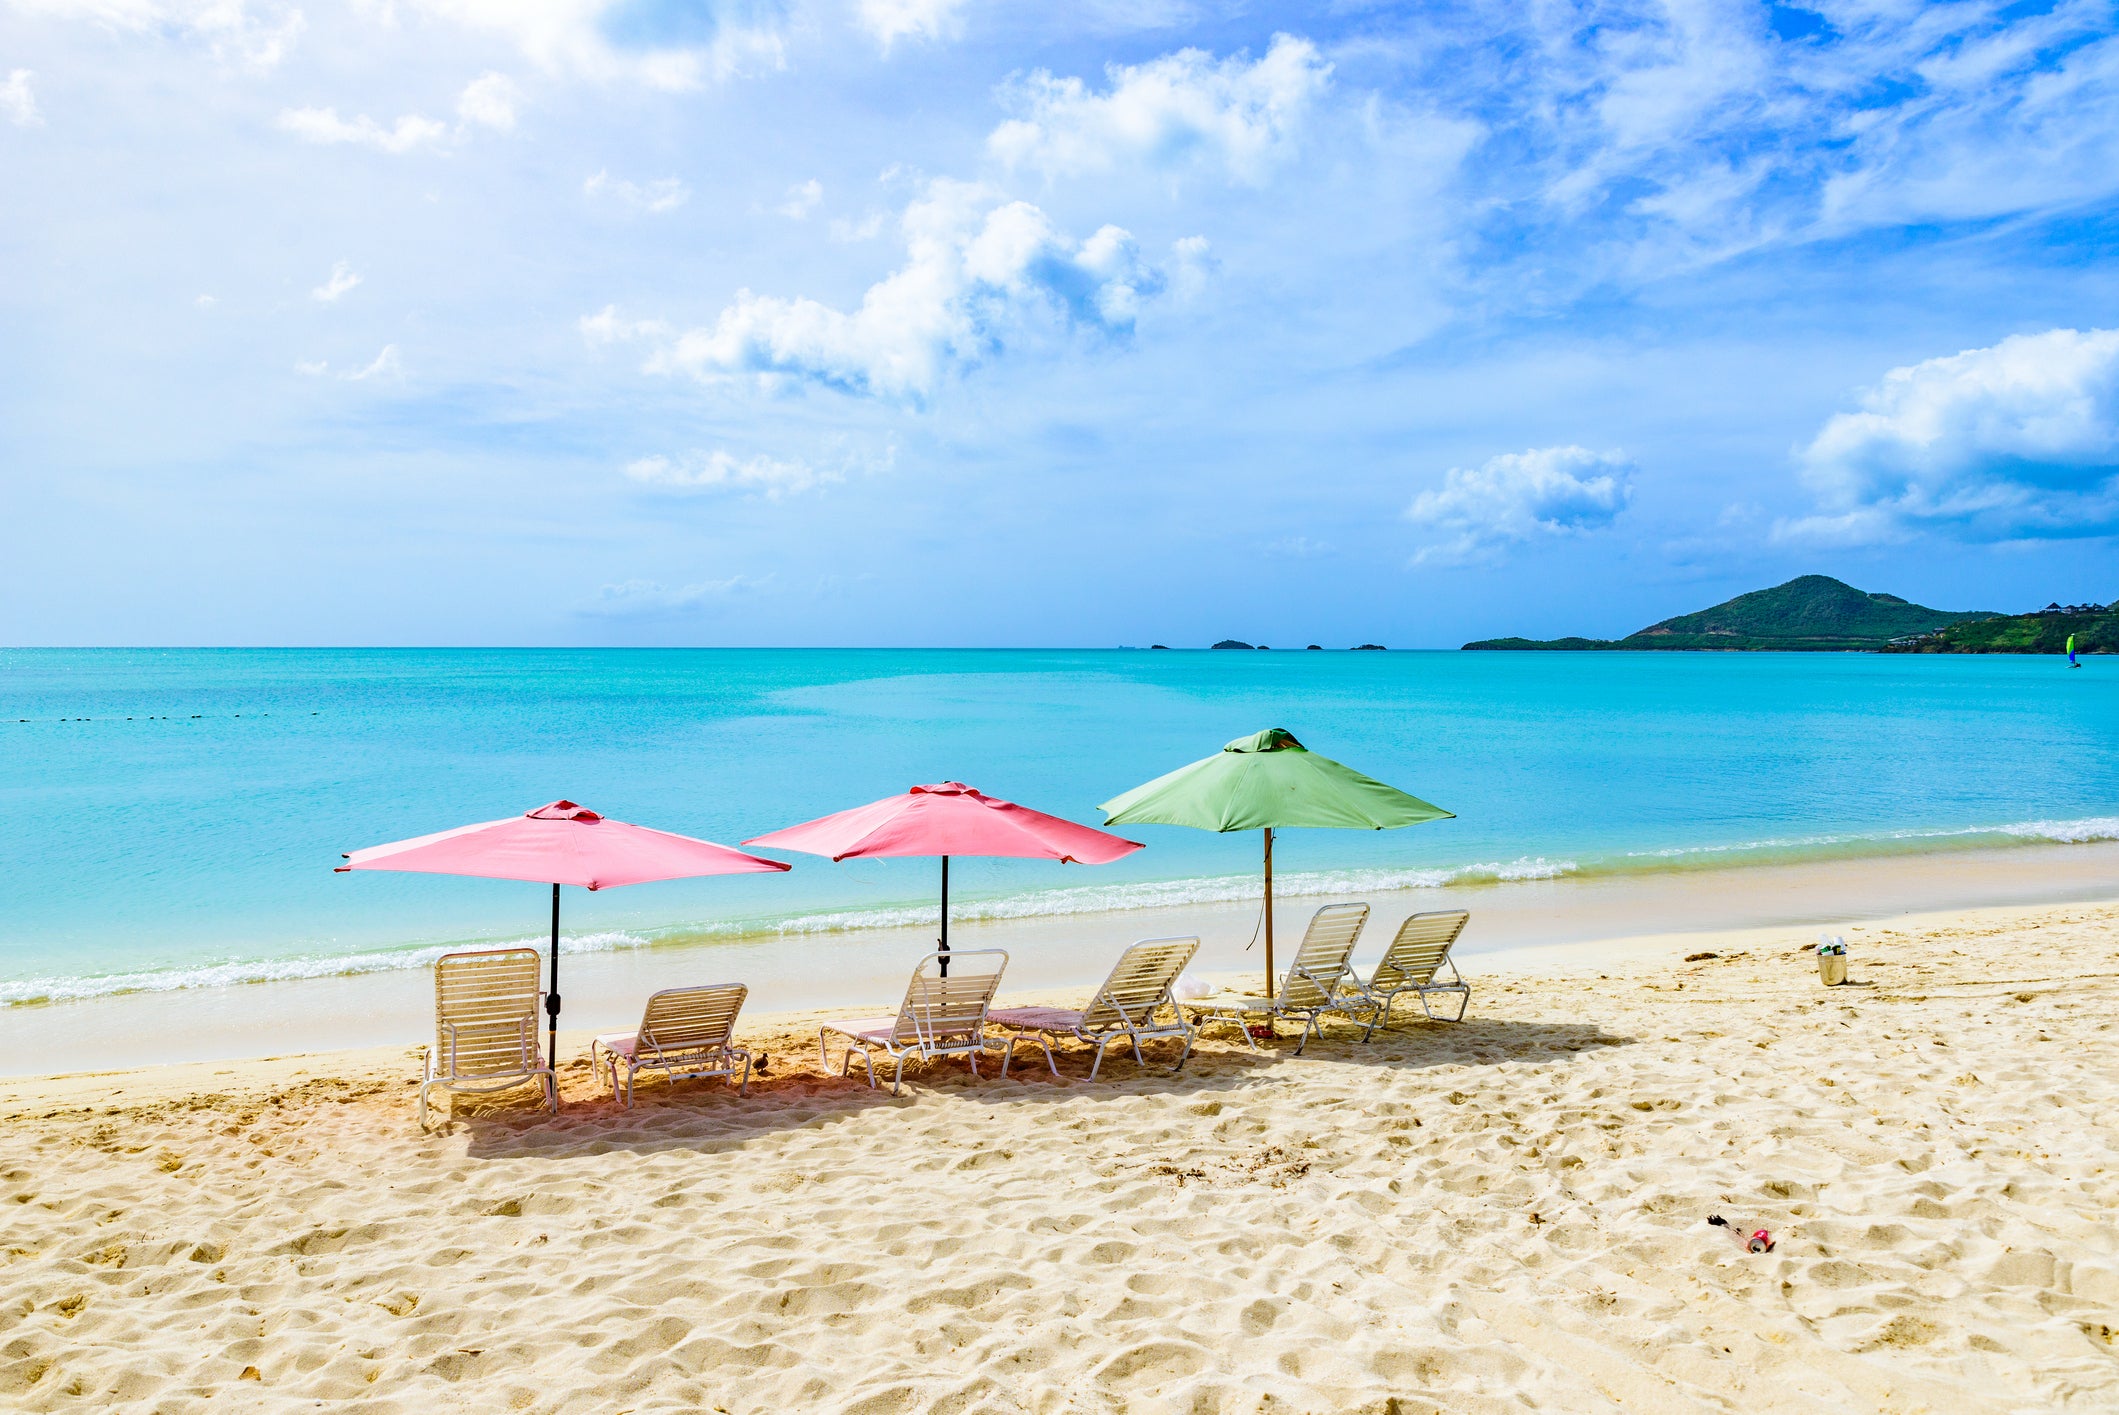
{"points": [[952, 1008], [1322, 962], [485, 1012], [1423, 941], [688, 1019], [1140, 984]]}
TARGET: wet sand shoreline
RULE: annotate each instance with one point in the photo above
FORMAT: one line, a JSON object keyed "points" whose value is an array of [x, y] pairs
{"points": [[604, 990]]}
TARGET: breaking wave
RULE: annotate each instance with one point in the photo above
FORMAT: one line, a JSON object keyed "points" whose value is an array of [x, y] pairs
{"points": [[235, 972], [1168, 894], [1087, 899]]}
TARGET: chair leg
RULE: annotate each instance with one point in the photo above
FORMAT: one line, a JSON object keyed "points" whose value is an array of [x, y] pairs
{"points": [[1183, 1055], [1008, 1056], [1098, 1064], [897, 1080], [744, 1089], [424, 1087]]}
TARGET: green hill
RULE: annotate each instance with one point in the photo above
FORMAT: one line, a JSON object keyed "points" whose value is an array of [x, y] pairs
{"points": [[2095, 627], [1814, 612]]}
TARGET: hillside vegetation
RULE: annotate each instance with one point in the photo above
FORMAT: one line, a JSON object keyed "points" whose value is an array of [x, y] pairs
{"points": [[2095, 627], [1813, 612]]}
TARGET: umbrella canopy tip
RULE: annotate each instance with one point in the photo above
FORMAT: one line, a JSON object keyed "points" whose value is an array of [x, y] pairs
{"points": [[562, 811], [1273, 739]]}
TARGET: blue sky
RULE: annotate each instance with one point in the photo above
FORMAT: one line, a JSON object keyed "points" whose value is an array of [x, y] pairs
{"points": [[972, 322]]}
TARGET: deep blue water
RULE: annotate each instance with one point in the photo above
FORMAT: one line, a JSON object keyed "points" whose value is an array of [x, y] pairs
{"points": [[174, 815]]}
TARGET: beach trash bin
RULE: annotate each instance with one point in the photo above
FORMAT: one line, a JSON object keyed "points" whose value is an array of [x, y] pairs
{"points": [[1832, 961]]}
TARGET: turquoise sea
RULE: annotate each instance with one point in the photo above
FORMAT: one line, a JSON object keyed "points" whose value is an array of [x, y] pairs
{"points": [[173, 816]]}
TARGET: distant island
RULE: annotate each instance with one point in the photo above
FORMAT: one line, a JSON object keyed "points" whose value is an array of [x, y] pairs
{"points": [[1240, 644], [1813, 612]]}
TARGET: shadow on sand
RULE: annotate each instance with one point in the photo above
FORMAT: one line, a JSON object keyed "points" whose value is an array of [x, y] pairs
{"points": [[708, 1116]]}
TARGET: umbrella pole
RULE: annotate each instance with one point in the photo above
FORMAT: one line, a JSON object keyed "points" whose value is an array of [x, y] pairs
{"points": [[551, 998], [1269, 911], [945, 916]]}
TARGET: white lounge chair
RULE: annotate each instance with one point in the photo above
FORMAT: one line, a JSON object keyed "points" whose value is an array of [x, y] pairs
{"points": [[1125, 1008], [941, 1016], [685, 1033], [1313, 987], [1418, 952], [487, 1008]]}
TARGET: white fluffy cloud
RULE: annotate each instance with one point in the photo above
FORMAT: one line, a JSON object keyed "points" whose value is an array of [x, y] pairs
{"points": [[237, 32], [489, 101], [721, 470], [661, 194], [323, 125], [2018, 440], [342, 279], [1184, 109], [387, 364], [1654, 137], [608, 326], [576, 37], [19, 100], [802, 199], [979, 272], [892, 20], [1518, 497]]}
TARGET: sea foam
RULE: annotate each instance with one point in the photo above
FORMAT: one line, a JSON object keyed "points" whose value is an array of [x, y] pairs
{"points": [[1083, 899]]}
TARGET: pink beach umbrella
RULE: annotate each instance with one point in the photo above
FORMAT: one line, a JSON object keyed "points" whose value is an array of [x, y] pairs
{"points": [[559, 844], [946, 819]]}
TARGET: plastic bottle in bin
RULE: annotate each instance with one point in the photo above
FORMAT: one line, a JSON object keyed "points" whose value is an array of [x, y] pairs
{"points": [[1831, 959]]}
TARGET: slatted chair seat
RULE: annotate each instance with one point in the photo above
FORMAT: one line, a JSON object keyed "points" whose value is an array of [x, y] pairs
{"points": [[487, 1008], [942, 1015], [1419, 952], [1133, 1005], [685, 1033], [1314, 986]]}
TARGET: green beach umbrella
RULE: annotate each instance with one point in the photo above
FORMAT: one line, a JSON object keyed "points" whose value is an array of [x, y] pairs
{"points": [[1268, 781]]}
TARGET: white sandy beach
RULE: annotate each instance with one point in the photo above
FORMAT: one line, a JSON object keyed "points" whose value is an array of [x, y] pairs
{"points": [[1508, 1214]]}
